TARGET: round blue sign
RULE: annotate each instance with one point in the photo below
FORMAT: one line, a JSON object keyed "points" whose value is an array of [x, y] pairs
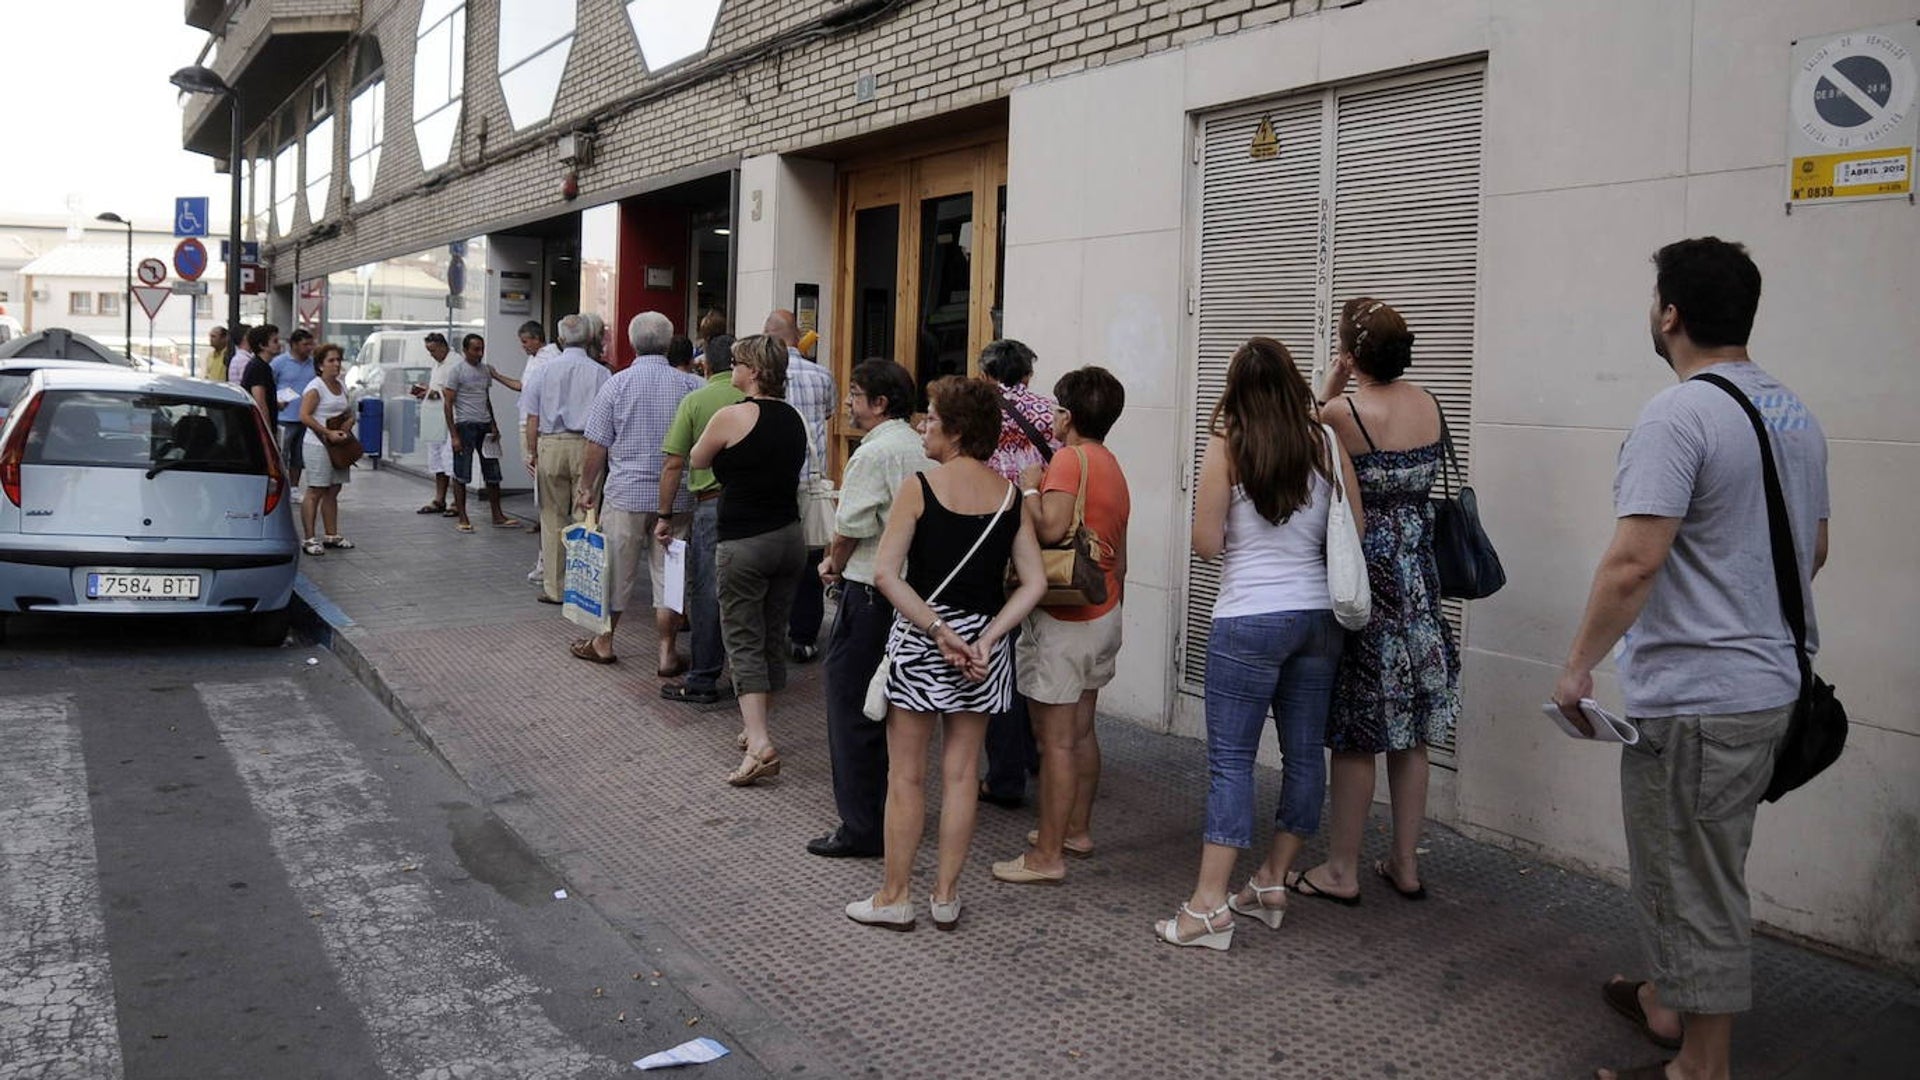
{"points": [[190, 259]]}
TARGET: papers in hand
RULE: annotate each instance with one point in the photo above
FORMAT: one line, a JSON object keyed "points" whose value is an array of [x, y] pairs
{"points": [[1606, 726], [675, 584]]}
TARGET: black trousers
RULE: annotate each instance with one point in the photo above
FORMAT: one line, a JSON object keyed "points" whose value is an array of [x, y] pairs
{"points": [[857, 745], [1011, 752], [809, 603]]}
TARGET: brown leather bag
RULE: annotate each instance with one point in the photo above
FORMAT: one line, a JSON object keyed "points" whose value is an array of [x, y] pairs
{"points": [[344, 453], [1074, 576]]}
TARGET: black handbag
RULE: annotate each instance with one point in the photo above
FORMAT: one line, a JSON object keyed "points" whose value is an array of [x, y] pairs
{"points": [[1817, 731], [1469, 567]]}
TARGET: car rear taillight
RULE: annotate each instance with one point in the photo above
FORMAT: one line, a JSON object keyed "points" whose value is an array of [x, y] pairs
{"points": [[16, 449], [276, 480]]}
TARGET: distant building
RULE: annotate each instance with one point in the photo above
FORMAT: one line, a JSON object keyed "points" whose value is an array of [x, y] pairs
{"points": [[82, 284]]}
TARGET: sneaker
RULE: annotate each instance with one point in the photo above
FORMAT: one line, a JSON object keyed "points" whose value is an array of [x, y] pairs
{"points": [[890, 917], [690, 695]]}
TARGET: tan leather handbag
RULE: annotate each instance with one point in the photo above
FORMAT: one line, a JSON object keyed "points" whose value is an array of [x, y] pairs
{"points": [[1074, 576]]}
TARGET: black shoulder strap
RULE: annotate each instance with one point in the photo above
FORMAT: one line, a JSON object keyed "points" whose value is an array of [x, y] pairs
{"points": [[1449, 458], [1027, 428], [1786, 566], [1359, 423]]}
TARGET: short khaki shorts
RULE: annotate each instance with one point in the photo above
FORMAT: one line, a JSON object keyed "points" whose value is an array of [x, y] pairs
{"points": [[1057, 661], [629, 540]]}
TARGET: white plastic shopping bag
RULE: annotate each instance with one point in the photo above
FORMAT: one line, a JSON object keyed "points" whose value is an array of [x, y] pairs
{"points": [[589, 578]]}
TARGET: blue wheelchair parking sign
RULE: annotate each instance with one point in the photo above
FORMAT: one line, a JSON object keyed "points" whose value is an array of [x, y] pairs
{"points": [[190, 216]]}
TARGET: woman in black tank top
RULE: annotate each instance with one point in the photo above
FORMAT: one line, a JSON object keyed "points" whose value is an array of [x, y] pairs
{"points": [[955, 527], [757, 449]]}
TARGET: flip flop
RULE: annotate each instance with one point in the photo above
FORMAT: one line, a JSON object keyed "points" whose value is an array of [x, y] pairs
{"points": [[432, 508], [510, 523], [464, 528], [1305, 887], [1624, 998], [584, 650], [1418, 892]]}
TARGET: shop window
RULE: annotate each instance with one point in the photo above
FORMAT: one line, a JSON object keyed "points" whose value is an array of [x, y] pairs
{"points": [[319, 149], [439, 74], [109, 303], [286, 175], [670, 31], [80, 303], [366, 118], [536, 37]]}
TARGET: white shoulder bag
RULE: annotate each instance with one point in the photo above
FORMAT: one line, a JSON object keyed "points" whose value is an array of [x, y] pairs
{"points": [[1346, 559], [875, 707], [818, 500]]}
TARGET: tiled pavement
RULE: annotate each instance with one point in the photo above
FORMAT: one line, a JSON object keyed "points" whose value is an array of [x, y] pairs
{"points": [[1495, 976]]}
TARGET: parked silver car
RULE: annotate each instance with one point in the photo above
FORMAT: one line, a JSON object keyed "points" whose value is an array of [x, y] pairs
{"points": [[125, 493]]}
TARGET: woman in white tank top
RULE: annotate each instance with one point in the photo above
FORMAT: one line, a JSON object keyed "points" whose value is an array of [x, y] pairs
{"points": [[1261, 508]]}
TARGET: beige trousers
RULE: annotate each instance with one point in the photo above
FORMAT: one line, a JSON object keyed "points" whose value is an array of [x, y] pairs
{"points": [[557, 473]]}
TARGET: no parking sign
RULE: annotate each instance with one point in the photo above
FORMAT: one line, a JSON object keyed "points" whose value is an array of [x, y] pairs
{"points": [[1852, 116]]}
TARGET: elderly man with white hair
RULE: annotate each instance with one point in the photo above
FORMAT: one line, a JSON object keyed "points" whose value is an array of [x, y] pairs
{"points": [[555, 401], [629, 422]]}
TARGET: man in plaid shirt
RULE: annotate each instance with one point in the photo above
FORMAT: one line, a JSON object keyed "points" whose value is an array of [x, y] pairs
{"points": [[810, 389]]}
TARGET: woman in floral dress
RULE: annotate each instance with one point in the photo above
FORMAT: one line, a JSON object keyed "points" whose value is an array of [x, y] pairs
{"points": [[1398, 689]]}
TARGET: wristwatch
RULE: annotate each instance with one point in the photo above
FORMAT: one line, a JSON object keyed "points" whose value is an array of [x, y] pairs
{"points": [[665, 515], [934, 626]]}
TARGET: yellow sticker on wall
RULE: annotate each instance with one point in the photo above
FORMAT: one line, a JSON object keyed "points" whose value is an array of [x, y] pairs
{"points": [[1886, 171], [1266, 144]]}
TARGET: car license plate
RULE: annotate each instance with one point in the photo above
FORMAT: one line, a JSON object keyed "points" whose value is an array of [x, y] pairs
{"points": [[143, 586]]}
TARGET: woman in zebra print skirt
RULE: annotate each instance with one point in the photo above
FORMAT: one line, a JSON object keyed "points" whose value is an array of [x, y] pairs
{"points": [[955, 527]]}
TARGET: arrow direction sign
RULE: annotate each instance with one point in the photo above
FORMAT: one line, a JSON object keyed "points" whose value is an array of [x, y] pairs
{"points": [[151, 271], [151, 297]]}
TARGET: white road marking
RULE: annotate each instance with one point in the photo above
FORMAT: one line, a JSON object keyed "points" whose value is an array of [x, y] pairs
{"points": [[436, 993], [56, 984]]}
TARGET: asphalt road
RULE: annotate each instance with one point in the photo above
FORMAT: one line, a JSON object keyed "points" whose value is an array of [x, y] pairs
{"points": [[221, 861]]}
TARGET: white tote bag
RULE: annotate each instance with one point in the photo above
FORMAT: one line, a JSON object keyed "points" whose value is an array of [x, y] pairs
{"points": [[819, 502], [589, 580], [1346, 560]]}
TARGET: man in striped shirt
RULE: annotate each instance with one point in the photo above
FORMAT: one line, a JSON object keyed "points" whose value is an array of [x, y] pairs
{"points": [[625, 430], [810, 390]]}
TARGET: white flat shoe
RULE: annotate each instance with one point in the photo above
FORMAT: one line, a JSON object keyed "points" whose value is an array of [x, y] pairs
{"points": [[1168, 930], [890, 917], [946, 913], [1259, 909]]}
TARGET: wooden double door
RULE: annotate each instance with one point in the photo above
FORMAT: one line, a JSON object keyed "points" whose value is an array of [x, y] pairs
{"points": [[920, 264]]}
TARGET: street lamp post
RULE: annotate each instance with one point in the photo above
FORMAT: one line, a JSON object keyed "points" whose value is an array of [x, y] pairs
{"points": [[201, 80], [126, 302]]}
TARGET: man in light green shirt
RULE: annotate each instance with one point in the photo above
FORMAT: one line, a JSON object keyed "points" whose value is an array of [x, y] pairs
{"points": [[879, 400], [702, 684]]}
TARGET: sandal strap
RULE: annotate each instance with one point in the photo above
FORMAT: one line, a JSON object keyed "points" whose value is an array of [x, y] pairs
{"points": [[1262, 890], [1206, 920]]}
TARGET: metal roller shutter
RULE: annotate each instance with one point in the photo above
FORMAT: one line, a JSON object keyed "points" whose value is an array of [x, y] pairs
{"points": [[1375, 191]]}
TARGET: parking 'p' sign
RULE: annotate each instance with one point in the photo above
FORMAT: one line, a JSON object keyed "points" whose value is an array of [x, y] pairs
{"points": [[1853, 117]]}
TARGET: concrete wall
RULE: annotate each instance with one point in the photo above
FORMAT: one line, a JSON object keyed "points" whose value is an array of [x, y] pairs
{"points": [[1609, 130], [784, 232]]}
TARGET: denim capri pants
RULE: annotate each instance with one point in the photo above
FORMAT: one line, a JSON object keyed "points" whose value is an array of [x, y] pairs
{"points": [[1279, 660]]}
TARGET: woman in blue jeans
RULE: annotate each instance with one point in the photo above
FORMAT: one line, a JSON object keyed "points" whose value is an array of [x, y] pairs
{"points": [[1265, 486]]}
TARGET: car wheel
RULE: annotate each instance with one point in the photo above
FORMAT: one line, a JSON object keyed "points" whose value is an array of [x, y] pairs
{"points": [[268, 629]]}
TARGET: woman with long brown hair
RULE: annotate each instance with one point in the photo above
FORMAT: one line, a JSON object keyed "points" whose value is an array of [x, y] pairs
{"points": [[1399, 684], [1266, 483]]}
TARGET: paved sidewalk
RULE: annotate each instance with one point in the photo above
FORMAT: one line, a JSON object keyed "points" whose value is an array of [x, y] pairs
{"points": [[1495, 976]]}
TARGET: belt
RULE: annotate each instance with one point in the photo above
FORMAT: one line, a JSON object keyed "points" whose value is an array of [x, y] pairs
{"points": [[706, 495], [564, 435]]}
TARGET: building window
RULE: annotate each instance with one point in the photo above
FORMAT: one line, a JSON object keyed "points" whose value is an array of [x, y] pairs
{"points": [[535, 39], [286, 175], [109, 303], [256, 194], [439, 73], [366, 118], [80, 303], [319, 149], [670, 31]]}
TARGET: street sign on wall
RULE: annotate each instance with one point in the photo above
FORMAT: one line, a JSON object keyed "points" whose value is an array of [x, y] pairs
{"points": [[1852, 116]]}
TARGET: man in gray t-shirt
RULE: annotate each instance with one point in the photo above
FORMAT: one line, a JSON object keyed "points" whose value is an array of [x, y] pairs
{"points": [[469, 413], [1708, 670]]}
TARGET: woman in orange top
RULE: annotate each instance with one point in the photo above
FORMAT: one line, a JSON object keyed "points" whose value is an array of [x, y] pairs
{"points": [[1066, 654]]}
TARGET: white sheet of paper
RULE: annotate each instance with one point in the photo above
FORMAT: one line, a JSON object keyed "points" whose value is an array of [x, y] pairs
{"points": [[687, 1053], [675, 586], [1607, 727]]}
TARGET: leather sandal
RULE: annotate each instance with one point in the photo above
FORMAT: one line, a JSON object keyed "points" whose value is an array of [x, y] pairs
{"points": [[1623, 996], [584, 650], [1168, 930], [754, 768], [1260, 909]]}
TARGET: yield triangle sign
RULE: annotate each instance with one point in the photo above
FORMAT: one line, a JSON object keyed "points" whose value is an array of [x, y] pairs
{"points": [[151, 297]]}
